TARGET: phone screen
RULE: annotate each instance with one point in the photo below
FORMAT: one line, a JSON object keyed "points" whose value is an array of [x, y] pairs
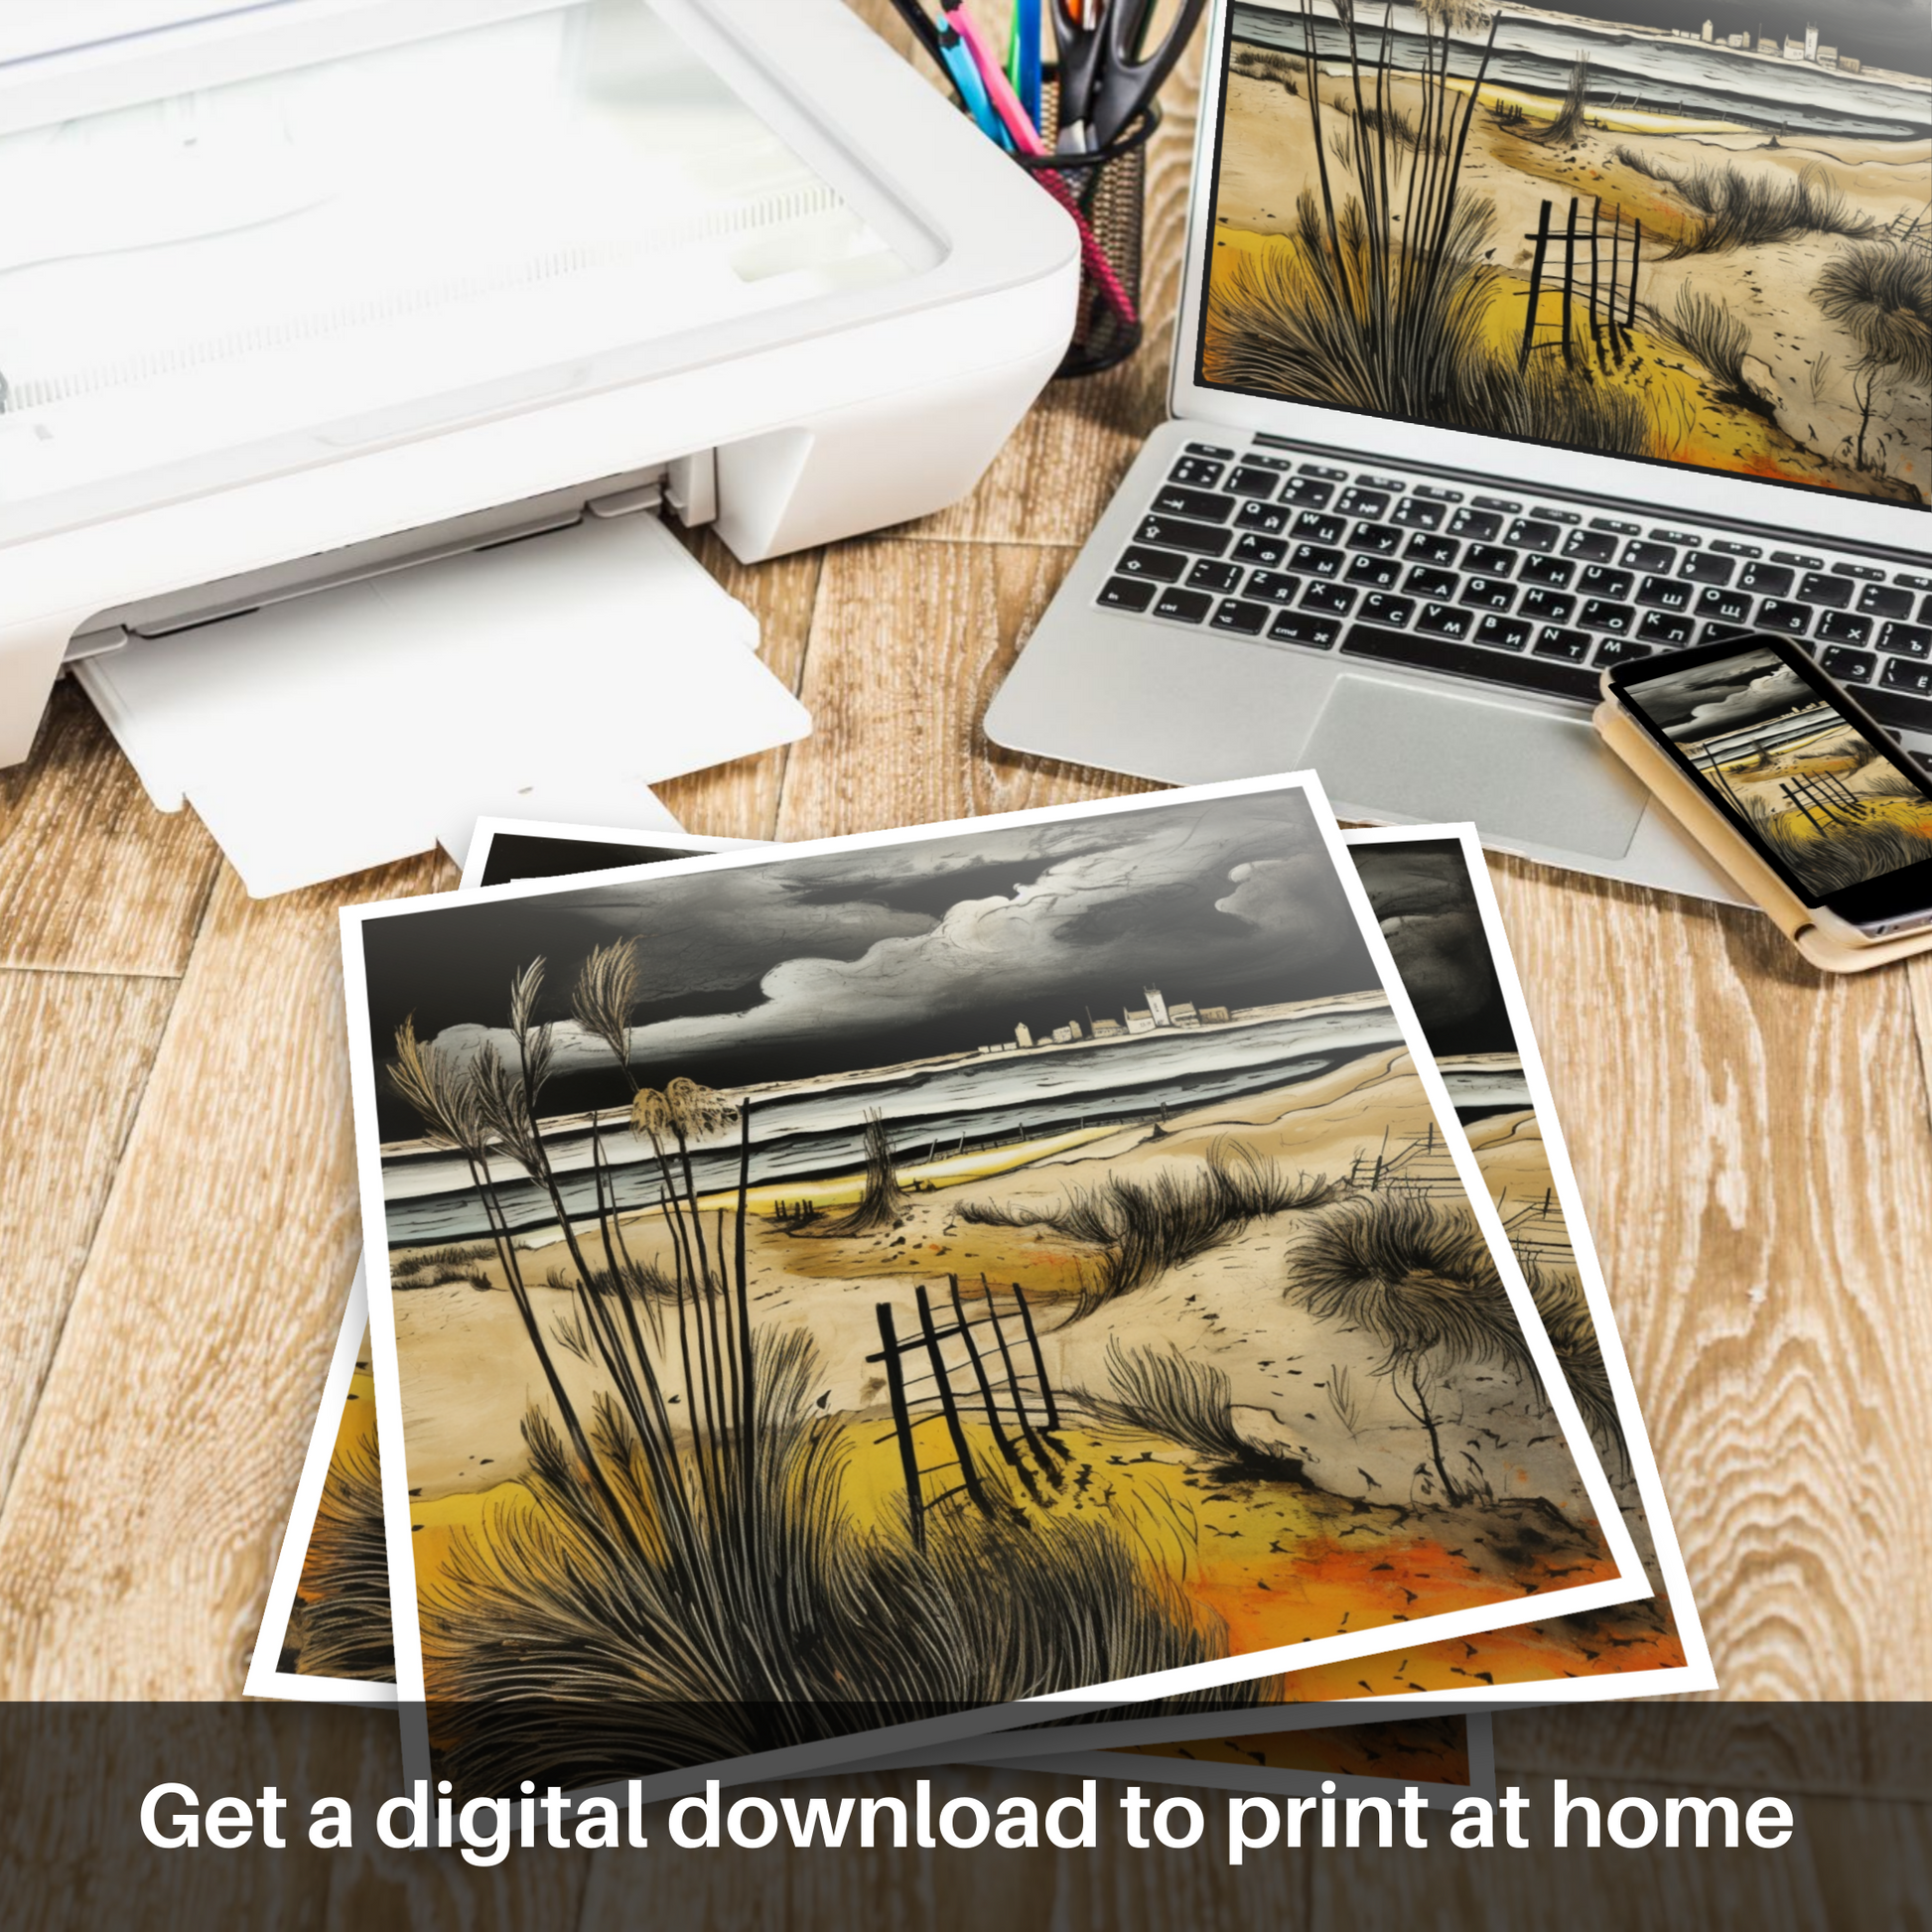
{"points": [[1834, 810]]}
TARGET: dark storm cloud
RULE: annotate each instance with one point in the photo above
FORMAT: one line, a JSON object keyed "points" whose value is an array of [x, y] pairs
{"points": [[1428, 912], [1732, 694], [858, 957]]}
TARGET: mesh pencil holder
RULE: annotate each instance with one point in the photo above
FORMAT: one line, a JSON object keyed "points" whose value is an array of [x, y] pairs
{"points": [[1106, 194]]}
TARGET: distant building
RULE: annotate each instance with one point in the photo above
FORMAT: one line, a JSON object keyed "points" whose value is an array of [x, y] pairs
{"points": [[1023, 1034], [1768, 46], [1810, 43], [1182, 1013], [1156, 1005], [1846, 65], [1139, 1020], [1073, 1030], [1106, 1030], [1794, 47], [1214, 1016], [1061, 1035], [1710, 32], [1741, 40], [1828, 57]]}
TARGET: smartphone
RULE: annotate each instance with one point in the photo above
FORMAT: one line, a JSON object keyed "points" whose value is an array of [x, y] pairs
{"points": [[1801, 771]]}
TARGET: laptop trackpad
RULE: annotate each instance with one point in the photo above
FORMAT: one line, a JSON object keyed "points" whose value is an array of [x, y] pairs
{"points": [[1388, 748]]}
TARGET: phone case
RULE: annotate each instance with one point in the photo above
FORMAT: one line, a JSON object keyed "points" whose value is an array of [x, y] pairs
{"points": [[1734, 853]]}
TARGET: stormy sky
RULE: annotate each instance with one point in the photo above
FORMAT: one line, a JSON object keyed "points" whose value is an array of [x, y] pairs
{"points": [[780, 968], [1732, 694], [1427, 911]]}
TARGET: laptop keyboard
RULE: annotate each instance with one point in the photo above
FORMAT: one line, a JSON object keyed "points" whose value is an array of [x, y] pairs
{"points": [[1529, 595]]}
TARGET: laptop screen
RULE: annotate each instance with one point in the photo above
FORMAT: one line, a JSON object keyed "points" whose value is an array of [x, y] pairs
{"points": [[1695, 235]]}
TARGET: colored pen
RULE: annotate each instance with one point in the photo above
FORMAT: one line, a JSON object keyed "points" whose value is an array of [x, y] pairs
{"points": [[967, 74]]}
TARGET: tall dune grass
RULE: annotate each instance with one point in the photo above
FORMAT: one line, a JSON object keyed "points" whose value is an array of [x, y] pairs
{"points": [[1882, 293], [346, 1629], [1146, 1226], [1735, 208], [1162, 1392]]}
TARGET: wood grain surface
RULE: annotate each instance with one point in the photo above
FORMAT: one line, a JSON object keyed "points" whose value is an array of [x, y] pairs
{"points": [[1754, 1142]]}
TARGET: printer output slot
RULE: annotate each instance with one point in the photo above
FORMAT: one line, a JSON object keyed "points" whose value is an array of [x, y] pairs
{"points": [[687, 484]]}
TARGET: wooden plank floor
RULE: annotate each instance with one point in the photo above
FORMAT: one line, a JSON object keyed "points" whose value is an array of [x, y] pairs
{"points": [[1754, 1140]]}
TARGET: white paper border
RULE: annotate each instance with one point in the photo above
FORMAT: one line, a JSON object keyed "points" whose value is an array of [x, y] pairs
{"points": [[1630, 1582]]}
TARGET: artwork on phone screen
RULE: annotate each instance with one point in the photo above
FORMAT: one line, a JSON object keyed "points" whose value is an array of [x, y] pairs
{"points": [[1826, 801], [1693, 234]]}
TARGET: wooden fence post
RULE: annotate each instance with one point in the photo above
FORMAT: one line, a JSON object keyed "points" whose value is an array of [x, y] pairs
{"points": [[1015, 1461], [968, 1467], [1536, 286], [1042, 1448], [1569, 281], [1596, 326], [1636, 258], [902, 1424], [1039, 1360]]}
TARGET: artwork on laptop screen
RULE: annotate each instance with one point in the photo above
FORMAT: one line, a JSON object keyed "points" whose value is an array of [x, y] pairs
{"points": [[1694, 233]]}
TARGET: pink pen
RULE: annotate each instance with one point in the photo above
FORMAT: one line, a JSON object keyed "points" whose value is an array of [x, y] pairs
{"points": [[1026, 138]]}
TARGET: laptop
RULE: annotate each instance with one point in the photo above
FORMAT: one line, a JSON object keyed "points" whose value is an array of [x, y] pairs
{"points": [[1514, 344]]}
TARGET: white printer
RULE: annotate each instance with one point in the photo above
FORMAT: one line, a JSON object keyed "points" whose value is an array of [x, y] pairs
{"points": [[300, 292]]}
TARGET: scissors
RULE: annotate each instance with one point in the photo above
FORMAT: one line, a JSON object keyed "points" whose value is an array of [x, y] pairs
{"points": [[1107, 76]]}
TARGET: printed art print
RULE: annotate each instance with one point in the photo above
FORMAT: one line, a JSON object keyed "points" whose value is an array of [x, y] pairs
{"points": [[1696, 233], [910, 1224]]}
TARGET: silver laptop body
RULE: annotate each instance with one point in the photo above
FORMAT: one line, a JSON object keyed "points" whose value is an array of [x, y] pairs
{"points": [[1421, 611]]}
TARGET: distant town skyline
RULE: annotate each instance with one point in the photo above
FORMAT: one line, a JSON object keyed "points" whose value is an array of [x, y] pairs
{"points": [[1891, 34]]}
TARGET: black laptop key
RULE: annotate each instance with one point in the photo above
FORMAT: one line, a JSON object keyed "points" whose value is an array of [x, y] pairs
{"points": [[1842, 628], [1504, 634], [1298, 627], [1441, 551], [1895, 710], [1313, 561], [1357, 501], [1622, 650], [1781, 614], [1665, 594], [1378, 573], [1665, 628], [1591, 546], [1384, 539], [1311, 493], [1445, 620], [1767, 580], [1196, 471], [1848, 666], [1547, 607], [1253, 549], [1907, 639], [1649, 556], [1419, 514], [1176, 534], [1701, 567], [1331, 600], [1210, 575], [1899, 675], [1599, 613], [1172, 500], [1553, 572], [1161, 565], [1829, 592], [1127, 593], [1486, 594], [1437, 584], [1598, 581], [1183, 606], [1724, 606], [1573, 646], [1312, 529], [1396, 612], [1440, 654], [1481, 526], [1531, 534], [1925, 612], [1489, 560], [1247, 481], [1274, 586], [1270, 519], [1237, 614]]}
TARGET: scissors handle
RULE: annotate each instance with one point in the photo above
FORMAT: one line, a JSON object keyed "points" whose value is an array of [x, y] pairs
{"points": [[1127, 78]]}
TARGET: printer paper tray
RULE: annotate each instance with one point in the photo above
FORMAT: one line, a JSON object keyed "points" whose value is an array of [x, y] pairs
{"points": [[555, 677]]}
